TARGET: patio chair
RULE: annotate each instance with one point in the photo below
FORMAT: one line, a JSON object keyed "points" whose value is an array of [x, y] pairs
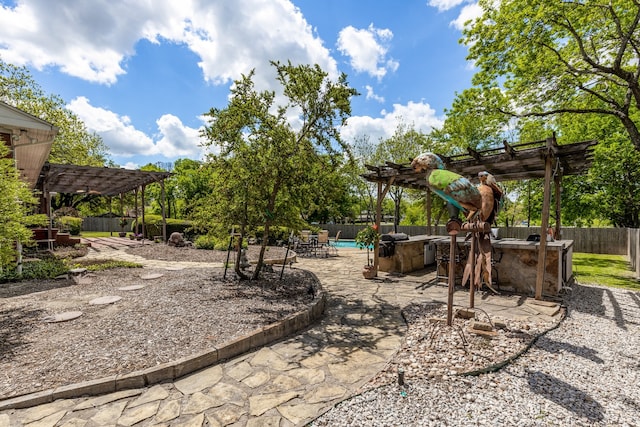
{"points": [[332, 247]]}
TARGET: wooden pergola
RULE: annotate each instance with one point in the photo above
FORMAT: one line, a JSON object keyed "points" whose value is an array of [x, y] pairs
{"points": [[103, 181], [539, 159]]}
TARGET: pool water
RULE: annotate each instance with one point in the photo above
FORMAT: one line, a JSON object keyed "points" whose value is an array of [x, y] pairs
{"points": [[346, 244]]}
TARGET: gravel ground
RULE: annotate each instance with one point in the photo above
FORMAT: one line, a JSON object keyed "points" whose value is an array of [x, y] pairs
{"points": [[585, 372], [172, 316]]}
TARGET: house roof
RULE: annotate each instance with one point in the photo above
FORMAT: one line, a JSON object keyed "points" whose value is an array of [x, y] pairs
{"points": [[95, 180], [509, 162], [30, 139]]}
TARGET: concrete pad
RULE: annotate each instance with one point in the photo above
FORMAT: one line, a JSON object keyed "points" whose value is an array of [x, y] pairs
{"points": [[62, 317], [257, 378], [197, 421], [240, 371], [151, 276], [308, 376], [228, 393], [325, 393], [168, 411], [229, 414], [267, 357], [39, 412], [259, 404], [200, 402], [264, 422], [109, 413], [105, 300], [319, 359], [108, 398], [138, 414], [298, 413], [200, 380], [131, 288], [155, 393], [51, 420]]}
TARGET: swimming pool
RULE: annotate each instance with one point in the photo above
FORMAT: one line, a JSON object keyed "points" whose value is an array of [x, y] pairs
{"points": [[346, 244]]}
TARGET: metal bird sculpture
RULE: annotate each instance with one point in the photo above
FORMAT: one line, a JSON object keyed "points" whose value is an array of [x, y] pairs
{"points": [[455, 189], [491, 195]]}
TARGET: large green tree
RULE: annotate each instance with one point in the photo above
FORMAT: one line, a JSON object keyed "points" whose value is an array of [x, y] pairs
{"points": [[73, 144], [14, 207], [553, 57], [271, 160], [405, 143]]}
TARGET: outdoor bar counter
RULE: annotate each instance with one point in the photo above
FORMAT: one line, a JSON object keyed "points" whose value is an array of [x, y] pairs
{"points": [[515, 261]]}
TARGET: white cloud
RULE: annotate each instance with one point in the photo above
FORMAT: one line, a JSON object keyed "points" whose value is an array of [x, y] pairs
{"points": [[417, 114], [367, 49], [92, 40], [131, 165], [372, 95], [468, 13], [124, 140], [443, 5]]}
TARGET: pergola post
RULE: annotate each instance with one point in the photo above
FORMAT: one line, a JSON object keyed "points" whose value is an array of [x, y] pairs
{"points": [[143, 230], [542, 252], [428, 212], [558, 195], [382, 192], [164, 215], [135, 208]]}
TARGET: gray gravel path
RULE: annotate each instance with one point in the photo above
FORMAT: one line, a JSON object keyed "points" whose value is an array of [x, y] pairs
{"points": [[584, 373]]}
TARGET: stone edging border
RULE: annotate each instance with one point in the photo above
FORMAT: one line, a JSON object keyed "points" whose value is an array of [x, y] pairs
{"points": [[173, 370]]}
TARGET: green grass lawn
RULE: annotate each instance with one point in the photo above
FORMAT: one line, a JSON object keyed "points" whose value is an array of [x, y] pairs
{"points": [[99, 234], [604, 270]]}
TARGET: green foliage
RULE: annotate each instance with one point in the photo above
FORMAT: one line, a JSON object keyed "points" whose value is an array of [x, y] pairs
{"points": [[15, 201], [37, 220], [207, 242], [264, 174], [552, 57], [366, 237], [73, 224], [46, 268], [73, 144], [101, 265]]}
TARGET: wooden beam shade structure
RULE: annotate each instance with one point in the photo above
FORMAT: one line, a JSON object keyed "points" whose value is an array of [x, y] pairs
{"points": [[509, 162], [103, 181]]}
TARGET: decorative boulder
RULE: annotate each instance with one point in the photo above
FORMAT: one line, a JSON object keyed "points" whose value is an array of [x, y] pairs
{"points": [[176, 239]]}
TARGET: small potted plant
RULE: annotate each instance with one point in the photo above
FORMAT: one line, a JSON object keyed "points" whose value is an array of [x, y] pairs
{"points": [[123, 223], [366, 239]]}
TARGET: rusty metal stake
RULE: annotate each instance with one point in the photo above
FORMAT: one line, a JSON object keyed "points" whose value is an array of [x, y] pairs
{"points": [[453, 227]]}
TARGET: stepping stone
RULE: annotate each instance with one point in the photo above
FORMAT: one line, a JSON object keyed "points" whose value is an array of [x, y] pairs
{"points": [[131, 288], [151, 276], [174, 268], [105, 300], [63, 317], [77, 271]]}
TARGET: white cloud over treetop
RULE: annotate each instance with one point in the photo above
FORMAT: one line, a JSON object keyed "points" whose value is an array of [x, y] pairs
{"points": [[173, 139], [367, 49], [92, 40], [417, 114]]}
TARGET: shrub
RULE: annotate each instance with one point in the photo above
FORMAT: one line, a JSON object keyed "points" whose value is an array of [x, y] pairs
{"points": [[47, 268], [205, 242], [71, 223]]}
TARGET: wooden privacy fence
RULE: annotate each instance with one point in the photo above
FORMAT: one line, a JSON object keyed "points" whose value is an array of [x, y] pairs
{"points": [[616, 241], [634, 250], [590, 240], [104, 224]]}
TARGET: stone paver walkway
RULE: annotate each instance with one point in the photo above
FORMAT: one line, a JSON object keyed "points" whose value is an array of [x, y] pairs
{"points": [[287, 383]]}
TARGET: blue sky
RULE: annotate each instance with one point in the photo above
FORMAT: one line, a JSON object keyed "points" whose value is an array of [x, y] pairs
{"points": [[141, 74]]}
